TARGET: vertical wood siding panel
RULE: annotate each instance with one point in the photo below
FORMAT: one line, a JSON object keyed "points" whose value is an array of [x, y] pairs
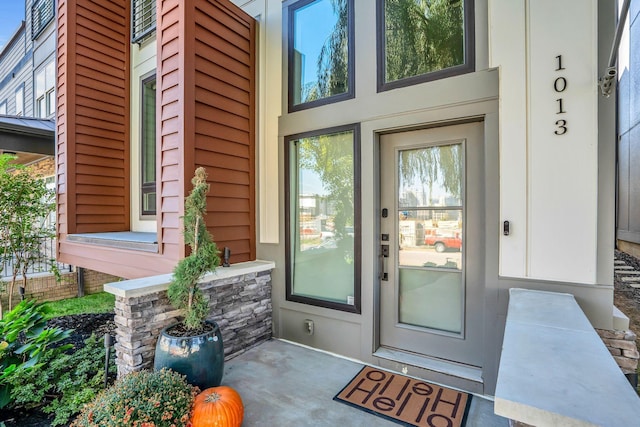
{"points": [[65, 115], [224, 119], [170, 128], [87, 121]]}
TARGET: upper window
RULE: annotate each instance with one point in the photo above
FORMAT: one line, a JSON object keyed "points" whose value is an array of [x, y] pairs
{"points": [[3, 108], [46, 91], [41, 15], [143, 19], [20, 100], [148, 138], [323, 249], [420, 41], [320, 52]]}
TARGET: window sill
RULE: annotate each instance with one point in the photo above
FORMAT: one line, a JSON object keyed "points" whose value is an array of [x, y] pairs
{"points": [[130, 240]]}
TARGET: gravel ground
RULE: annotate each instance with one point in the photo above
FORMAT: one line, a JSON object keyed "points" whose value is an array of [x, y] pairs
{"points": [[625, 297], [83, 325]]}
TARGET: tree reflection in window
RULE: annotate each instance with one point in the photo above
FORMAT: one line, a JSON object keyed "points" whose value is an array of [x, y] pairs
{"points": [[422, 36], [322, 229], [320, 53]]}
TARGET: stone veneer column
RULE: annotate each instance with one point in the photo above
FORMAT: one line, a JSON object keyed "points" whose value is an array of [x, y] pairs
{"points": [[239, 301]]}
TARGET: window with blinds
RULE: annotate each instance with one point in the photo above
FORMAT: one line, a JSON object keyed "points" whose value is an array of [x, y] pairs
{"points": [[41, 15], [143, 19]]}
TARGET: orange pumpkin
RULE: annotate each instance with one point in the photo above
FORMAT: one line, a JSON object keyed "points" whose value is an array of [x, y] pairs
{"points": [[217, 407]]}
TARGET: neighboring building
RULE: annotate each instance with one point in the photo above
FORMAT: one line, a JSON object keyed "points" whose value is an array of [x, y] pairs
{"points": [[27, 64], [27, 85], [478, 119], [628, 202]]}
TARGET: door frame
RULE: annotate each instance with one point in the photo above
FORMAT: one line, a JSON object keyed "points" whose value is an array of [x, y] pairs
{"points": [[377, 313]]}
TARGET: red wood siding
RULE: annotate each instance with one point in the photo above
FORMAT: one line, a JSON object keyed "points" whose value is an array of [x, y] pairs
{"points": [[206, 69], [93, 116], [171, 85], [224, 134], [206, 107]]}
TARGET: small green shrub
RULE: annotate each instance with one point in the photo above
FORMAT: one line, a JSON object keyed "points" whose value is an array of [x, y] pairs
{"points": [[141, 399], [62, 385], [25, 341]]}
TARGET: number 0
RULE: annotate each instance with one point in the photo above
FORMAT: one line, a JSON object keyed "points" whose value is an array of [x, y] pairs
{"points": [[560, 84]]}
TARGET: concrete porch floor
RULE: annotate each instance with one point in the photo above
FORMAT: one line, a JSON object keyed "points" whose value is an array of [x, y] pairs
{"points": [[283, 384]]}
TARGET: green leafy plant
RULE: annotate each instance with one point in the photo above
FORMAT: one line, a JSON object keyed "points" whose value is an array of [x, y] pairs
{"points": [[63, 384], [150, 399], [25, 205], [25, 341], [183, 291]]}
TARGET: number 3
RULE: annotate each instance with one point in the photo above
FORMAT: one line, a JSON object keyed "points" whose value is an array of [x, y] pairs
{"points": [[562, 127]]}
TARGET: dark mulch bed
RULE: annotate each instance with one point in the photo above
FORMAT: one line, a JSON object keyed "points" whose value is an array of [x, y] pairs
{"points": [[83, 325]]}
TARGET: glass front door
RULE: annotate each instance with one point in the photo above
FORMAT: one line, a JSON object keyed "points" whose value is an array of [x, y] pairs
{"points": [[432, 200]]}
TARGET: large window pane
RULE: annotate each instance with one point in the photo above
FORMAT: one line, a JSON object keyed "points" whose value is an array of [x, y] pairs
{"points": [[319, 51], [322, 229], [422, 38]]}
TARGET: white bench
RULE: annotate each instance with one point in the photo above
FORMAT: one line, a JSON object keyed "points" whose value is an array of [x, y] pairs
{"points": [[556, 371]]}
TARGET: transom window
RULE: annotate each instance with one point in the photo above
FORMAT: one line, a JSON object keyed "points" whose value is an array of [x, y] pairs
{"points": [[320, 52], [41, 15], [323, 249], [143, 19], [422, 40]]}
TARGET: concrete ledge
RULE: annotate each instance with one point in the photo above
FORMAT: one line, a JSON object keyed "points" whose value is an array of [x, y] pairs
{"points": [[131, 240], [555, 370], [153, 284], [620, 320]]}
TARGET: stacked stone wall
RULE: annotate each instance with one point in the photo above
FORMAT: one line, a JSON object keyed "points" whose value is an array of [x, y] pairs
{"points": [[622, 346], [240, 305]]}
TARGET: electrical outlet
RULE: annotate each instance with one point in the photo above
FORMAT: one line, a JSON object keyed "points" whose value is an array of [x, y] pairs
{"points": [[308, 326]]}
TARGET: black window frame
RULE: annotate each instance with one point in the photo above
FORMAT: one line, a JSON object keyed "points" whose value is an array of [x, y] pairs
{"points": [[357, 222], [147, 187], [351, 81], [42, 13], [145, 31], [468, 66]]}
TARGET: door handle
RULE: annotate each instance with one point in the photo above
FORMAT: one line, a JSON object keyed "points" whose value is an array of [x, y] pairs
{"points": [[384, 257]]}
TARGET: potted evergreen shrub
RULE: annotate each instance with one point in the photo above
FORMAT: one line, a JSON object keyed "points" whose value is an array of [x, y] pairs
{"points": [[193, 346]]}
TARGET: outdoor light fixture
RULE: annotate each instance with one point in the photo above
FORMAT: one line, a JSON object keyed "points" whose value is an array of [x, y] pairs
{"points": [[227, 255], [605, 83]]}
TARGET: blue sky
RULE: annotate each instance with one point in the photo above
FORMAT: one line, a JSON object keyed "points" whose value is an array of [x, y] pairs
{"points": [[11, 13]]}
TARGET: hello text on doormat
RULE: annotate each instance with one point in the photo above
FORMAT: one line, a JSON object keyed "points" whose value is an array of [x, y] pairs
{"points": [[405, 400]]}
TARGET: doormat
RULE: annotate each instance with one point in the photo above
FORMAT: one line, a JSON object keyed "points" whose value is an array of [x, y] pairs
{"points": [[407, 401]]}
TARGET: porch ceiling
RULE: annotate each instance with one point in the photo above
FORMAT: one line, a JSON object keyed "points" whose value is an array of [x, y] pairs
{"points": [[27, 135]]}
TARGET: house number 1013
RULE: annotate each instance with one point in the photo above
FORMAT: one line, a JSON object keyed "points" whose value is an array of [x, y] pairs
{"points": [[559, 86]]}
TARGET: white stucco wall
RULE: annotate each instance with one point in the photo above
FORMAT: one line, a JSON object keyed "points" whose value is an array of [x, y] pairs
{"points": [[548, 182]]}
